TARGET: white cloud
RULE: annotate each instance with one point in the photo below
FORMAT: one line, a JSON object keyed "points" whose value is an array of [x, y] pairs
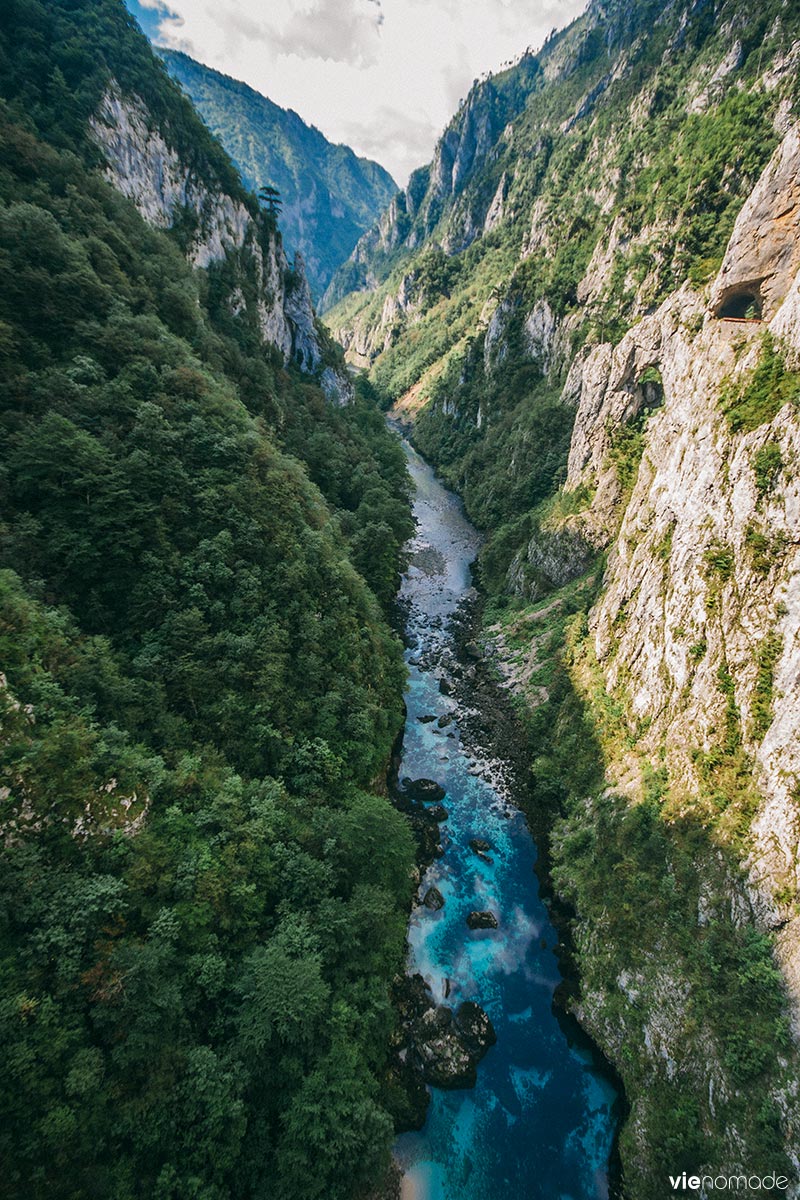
{"points": [[385, 76], [334, 30], [388, 134]]}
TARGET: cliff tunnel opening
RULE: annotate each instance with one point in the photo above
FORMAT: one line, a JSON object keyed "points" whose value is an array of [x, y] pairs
{"points": [[742, 303]]}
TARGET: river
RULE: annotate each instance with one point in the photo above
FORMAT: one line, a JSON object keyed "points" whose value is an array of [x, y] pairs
{"points": [[540, 1122]]}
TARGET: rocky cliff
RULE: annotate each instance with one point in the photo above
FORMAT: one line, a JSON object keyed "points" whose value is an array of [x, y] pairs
{"points": [[167, 191], [699, 622], [438, 197], [694, 637], [329, 196]]}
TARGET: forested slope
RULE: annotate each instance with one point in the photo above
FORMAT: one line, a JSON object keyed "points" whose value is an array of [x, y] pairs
{"points": [[202, 903]]}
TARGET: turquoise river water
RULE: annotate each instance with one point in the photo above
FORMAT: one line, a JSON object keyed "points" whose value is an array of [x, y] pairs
{"points": [[540, 1122]]}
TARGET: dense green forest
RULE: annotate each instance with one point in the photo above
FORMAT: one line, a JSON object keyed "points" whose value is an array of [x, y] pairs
{"points": [[201, 902]]}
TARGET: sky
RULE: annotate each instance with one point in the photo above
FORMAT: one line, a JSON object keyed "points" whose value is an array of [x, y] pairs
{"points": [[382, 76]]}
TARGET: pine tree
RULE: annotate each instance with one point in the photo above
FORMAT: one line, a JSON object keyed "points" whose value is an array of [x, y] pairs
{"points": [[271, 198]]}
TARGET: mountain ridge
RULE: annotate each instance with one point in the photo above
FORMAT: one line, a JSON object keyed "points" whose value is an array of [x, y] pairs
{"points": [[329, 194]]}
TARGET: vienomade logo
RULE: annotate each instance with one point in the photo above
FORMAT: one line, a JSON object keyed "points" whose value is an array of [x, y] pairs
{"points": [[728, 1183]]}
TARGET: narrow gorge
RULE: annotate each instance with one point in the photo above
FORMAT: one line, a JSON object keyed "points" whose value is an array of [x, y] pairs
{"points": [[542, 1108], [585, 308], [401, 815]]}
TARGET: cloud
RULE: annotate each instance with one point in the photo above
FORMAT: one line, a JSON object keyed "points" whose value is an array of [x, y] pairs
{"points": [[393, 136], [341, 31], [334, 31], [457, 75], [385, 76]]}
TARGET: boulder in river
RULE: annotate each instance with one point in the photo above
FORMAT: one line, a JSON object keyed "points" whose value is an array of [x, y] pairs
{"points": [[444, 720], [426, 720], [479, 845], [438, 813], [433, 899], [423, 789], [482, 920], [443, 1046], [475, 1028]]}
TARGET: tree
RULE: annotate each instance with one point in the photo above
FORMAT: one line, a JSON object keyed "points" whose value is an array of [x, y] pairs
{"points": [[271, 198]]}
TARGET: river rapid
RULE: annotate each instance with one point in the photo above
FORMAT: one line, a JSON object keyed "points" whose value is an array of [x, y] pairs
{"points": [[540, 1123]]}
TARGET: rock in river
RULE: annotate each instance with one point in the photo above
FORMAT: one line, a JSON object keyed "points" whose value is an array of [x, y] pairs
{"points": [[479, 845], [438, 813], [433, 899], [443, 1046], [475, 1028], [482, 920], [423, 789]]}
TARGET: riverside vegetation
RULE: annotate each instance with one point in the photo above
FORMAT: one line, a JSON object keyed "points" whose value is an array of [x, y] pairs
{"points": [[547, 306], [202, 902]]}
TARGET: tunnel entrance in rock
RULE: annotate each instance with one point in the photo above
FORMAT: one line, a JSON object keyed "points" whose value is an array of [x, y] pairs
{"points": [[743, 304]]}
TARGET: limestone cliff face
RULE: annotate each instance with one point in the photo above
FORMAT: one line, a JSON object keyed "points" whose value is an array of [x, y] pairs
{"points": [[165, 189], [701, 604], [763, 256]]}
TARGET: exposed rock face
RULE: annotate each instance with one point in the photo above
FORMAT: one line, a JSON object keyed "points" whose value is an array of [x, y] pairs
{"points": [[553, 557], [541, 327], [703, 576], [299, 312], [337, 386], [494, 216], [146, 169], [612, 394], [763, 256]]}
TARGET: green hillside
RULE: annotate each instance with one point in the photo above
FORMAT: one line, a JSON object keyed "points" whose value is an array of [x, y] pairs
{"points": [[612, 126], [544, 306]]}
